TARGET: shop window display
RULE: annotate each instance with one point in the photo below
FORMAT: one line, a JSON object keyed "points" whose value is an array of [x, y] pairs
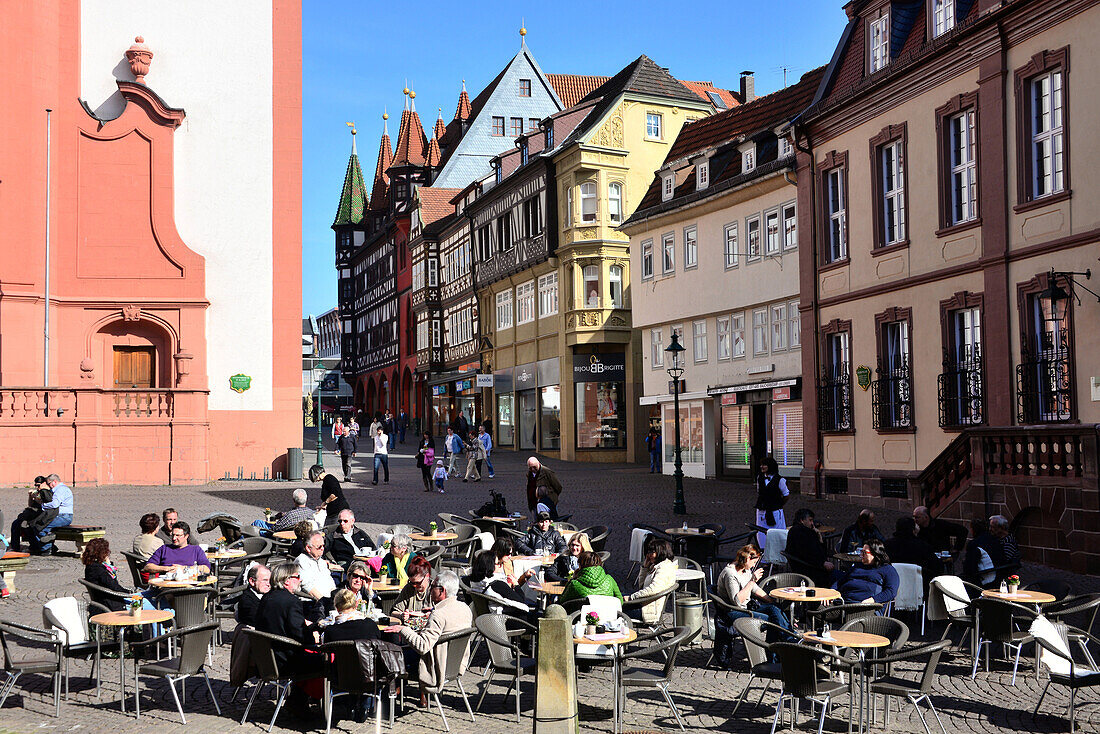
{"points": [[601, 415]]}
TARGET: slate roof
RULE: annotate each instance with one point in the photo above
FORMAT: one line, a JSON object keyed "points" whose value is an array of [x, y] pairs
{"points": [[761, 115], [381, 180], [572, 88], [353, 197]]}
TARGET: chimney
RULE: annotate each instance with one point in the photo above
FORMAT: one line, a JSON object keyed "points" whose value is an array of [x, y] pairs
{"points": [[748, 87]]}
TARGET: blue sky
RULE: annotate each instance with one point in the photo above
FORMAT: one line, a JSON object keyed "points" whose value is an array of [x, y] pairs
{"points": [[358, 55]]}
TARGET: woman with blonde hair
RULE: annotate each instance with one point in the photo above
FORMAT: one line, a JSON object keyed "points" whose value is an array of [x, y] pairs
{"points": [[568, 562]]}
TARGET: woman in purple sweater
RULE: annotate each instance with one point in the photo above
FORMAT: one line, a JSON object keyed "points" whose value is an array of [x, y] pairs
{"points": [[873, 579]]}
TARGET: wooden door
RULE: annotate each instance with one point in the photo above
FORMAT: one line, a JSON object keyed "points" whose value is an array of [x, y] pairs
{"points": [[134, 367]]}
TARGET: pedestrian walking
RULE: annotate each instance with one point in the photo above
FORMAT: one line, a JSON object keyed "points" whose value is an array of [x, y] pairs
{"points": [[390, 426], [475, 453], [486, 442], [462, 426], [353, 428], [425, 460], [440, 475], [452, 447], [402, 425], [381, 455], [771, 494], [346, 445], [540, 476], [338, 428], [653, 444]]}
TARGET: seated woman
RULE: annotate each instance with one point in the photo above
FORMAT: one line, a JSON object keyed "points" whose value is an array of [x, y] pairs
{"points": [[350, 624], [487, 577], [396, 562], [147, 542], [590, 580], [504, 549], [99, 570], [301, 532], [658, 574], [737, 586], [873, 579], [359, 583], [567, 563], [416, 595]]}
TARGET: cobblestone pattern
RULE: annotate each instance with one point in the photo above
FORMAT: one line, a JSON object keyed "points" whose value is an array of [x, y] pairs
{"points": [[597, 494]]}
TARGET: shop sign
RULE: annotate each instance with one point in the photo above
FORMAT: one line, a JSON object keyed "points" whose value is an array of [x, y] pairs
{"points": [[462, 385], [781, 393], [599, 367], [672, 386], [239, 383], [729, 398], [438, 390], [525, 377], [863, 376], [485, 380], [755, 386]]}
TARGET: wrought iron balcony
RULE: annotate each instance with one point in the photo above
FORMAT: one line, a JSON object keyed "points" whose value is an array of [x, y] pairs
{"points": [[892, 398], [834, 399], [1044, 381], [962, 390]]}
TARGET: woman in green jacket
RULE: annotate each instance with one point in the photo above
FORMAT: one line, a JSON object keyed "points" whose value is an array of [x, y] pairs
{"points": [[590, 580]]}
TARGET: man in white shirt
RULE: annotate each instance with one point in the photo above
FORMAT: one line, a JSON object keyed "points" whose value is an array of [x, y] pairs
{"points": [[316, 578], [381, 454]]}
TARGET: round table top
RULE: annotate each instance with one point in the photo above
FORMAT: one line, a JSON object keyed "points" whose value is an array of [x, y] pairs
{"points": [[549, 587], [1029, 597], [848, 638], [794, 593], [688, 531], [221, 555], [506, 520], [689, 574], [284, 535], [382, 587], [162, 583], [125, 619], [439, 535], [627, 636]]}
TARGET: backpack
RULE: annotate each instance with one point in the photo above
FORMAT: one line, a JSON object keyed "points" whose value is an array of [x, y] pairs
{"points": [[495, 507]]}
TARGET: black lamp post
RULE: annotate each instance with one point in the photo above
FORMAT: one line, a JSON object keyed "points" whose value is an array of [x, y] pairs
{"points": [[676, 372]]}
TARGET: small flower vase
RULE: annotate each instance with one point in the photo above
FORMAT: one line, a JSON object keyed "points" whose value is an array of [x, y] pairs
{"points": [[1013, 588], [590, 629], [134, 610]]}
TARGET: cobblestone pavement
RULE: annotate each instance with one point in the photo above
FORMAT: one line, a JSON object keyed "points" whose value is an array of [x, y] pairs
{"points": [[616, 495]]}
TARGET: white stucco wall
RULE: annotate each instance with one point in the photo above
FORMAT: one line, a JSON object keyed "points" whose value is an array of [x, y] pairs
{"points": [[213, 59]]}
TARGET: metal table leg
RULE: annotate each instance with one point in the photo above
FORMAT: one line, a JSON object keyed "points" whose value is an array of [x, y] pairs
{"points": [[122, 668]]}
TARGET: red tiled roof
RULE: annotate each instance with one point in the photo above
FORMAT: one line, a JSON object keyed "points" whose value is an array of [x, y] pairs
{"points": [[440, 126], [433, 156], [412, 143], [463, 111], [435, 203], [701, 88], [572, 88]]}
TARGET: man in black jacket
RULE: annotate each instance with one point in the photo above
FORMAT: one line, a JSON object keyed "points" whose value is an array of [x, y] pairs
{"points": [[541, 539], [346, 541], [346, 446], [258, 579], [860, 533], [807, 549], [938, 533], [280, 613], [906, 547]]}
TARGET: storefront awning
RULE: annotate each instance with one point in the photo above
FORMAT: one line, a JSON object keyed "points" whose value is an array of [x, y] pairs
{"points": [[654, 399], [769, 385]]}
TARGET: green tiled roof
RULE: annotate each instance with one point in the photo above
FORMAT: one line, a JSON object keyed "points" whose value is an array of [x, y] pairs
{"points": [[353, 198]]}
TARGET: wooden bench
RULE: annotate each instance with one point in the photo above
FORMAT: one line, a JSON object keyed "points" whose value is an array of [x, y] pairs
{"points": [[79, 534], [11, 562]]}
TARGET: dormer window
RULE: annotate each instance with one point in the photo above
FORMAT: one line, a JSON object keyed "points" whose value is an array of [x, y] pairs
{"points": [[879, 42], [702, 174], [943, 17], [523, 153], [748, 156], [785, 147], [550, 136], [668, 186]]}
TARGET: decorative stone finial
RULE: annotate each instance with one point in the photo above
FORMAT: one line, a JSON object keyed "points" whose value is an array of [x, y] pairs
{"points": [[139, 57]]}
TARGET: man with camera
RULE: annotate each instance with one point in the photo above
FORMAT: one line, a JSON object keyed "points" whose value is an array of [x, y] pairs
{"points": [[49, 506]]}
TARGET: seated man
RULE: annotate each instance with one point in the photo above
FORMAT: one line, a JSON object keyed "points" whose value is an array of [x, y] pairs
{"points": [[280, 612], [62, 501], [859, 534], [1010, 551], [907, 547], [171, 517], [258, 579], [179, 554], [347, 541], [449, 615], [316, 577], [941, 534], [287, 520], [807, 551], [541, 538]]}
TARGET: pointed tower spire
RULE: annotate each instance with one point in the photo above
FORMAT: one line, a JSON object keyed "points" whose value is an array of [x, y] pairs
{"points": [[440, 126], [353, 197], [412, 143], [522, 33], [462, 114], [385, 158]]}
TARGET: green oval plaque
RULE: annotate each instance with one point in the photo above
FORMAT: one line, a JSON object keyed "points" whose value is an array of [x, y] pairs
{"points": [[863, 376], [239, 383]]}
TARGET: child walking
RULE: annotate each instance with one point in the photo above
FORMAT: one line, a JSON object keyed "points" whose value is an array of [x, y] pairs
{"points": [[440, 475]]}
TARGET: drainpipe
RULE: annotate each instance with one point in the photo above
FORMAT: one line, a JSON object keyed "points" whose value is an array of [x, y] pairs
{"points": [[809, 151], [46, 315]]}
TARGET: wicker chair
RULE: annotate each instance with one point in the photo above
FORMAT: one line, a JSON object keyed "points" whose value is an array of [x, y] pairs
{"points": [[502, 634], [192, 644]]}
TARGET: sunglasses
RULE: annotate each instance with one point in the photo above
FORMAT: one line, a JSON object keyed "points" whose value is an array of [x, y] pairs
{"points": [[359, 576], [295, 576]]}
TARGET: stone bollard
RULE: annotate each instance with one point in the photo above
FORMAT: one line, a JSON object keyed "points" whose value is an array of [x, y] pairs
{"points": [[555, 676]]}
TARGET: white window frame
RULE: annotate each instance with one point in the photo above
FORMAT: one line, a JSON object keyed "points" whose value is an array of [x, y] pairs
{"points": [[691, 247], [548, 295], [730, 253], [778, 314], [668, 253], [760, 332], [699, 340], [785, 147], [878, 43], [587, 271], [794, 336], [891, 158], [654, 126], [568, 206], [504, 310], [657, 348], [1047, 107], [738, 345], [647, 260], [963, 163], [723, 337], [668, 186], [615, 285], [838, 227], [589, 200], [702, 174], [788, 218], [433, 272], [943, 17], [615, 202], [773, 239], [525, 302], [752, 251]]}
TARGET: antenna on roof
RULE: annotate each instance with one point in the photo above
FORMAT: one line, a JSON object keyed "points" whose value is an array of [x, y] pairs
{"points": [[352, 126], [385, 121]]}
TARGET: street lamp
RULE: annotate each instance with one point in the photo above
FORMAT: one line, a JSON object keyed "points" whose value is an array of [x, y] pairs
{"points": [[319, 375], [676, 372]]}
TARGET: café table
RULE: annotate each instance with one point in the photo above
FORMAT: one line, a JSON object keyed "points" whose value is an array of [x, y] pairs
{"points": [[523, 564], [1021, 596], [285, 535], [616, 641], [860, 642], [122, 620], [503, 520], [795, 595], [681, 531], [388, 590], [227, 554], [439, 535], [162, 583], [848, 558], [547, 589]]}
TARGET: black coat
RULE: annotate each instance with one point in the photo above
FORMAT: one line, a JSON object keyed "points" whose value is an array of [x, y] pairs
{"points": [[280, 613], [804, 545], [247, 606], [353, 629], [98, 574], [943, 535], [341, 549], [331, 485], [911, 549]]}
